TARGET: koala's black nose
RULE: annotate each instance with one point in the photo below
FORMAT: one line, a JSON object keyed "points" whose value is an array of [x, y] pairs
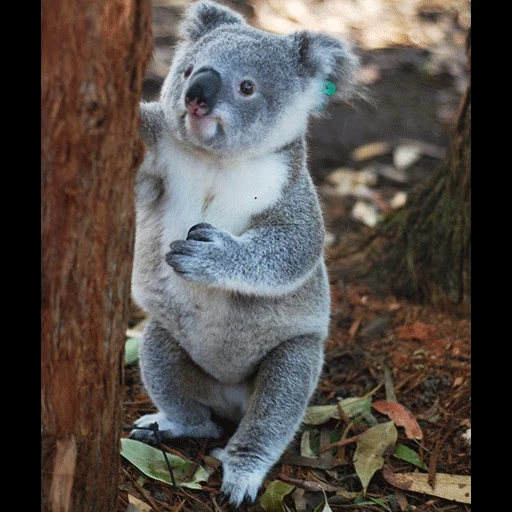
{"points": [[202, 93]]}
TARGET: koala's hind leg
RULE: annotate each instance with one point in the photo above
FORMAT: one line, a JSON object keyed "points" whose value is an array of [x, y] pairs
{"points": [[175, 384], [282, 388]]}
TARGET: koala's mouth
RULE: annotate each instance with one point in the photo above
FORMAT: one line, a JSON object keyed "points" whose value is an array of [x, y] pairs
{"points": [[205, 128]]}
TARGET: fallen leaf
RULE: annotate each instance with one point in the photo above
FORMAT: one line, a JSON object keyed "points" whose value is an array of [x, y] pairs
{"points": [[467, 436], [365, 213], [272, 498], [371, 447], [318, 414], [398, 200], [371, 150], [151, 462], [405, 453], [401, 499], [388, 172], [131, 350], [305, 446], [406, 155], [401, 416], [416, 331], [449, 487], [138, 504], [299, 500]]}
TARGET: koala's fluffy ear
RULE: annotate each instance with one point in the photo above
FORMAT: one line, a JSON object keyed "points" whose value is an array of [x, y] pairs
{"points": [[203, 16], [327, 58]]}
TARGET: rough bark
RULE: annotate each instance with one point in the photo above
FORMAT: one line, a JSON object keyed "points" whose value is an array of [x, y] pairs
{"points": [[428, 251], [94, 54]]}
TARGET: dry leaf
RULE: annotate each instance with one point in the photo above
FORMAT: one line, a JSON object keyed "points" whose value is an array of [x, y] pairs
{"points": [[401, 416], [406, 155], [449, 487], [140, 505], [371, 446], [305, 446], [371, 150], [416, 331]]}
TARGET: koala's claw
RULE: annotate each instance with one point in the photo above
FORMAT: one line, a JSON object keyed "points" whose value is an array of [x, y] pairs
{"points": [[202, 255], [240, 490], [198, 232], [239, 484]]}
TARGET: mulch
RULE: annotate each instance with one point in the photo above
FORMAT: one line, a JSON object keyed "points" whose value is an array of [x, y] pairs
{"points": [[425, 350]]}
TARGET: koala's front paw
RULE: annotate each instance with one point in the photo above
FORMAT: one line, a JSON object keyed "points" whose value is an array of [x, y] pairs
{"points": [[170, 429], [242, 477], [202, 255]]}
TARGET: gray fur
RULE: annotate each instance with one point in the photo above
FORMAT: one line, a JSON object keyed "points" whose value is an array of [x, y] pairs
{"points": [[229, 242]]}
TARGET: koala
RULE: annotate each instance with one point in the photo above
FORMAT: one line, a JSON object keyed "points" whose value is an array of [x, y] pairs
{"points": [[229, 249]]}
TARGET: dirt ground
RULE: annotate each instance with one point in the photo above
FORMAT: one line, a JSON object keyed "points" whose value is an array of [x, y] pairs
{"points": [[365, 158]]}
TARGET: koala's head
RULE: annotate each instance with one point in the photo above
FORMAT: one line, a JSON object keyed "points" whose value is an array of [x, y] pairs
{"points": [[232, 88]]}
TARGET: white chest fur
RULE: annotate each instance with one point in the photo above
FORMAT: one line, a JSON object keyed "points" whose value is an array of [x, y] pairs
{"points": [[223, 193]]}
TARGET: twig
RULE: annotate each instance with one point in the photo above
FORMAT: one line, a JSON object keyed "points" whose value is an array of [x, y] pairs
{"points": [[144, 493], [216, 505], [343, 442], [308, 485]]}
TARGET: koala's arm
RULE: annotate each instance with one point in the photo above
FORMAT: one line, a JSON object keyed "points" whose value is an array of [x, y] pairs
{"points": [[148, 185], [152, 123], [275, 256]]}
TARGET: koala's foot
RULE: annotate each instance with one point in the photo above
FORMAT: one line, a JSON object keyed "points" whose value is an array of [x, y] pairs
{"points": [[242, 477], [170, 429]]}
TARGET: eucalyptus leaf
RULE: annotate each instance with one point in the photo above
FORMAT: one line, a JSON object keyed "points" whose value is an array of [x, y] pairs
{"points": [[151, 462], [371, 446], [305, 445], [318, 414], [405, 453], [272, 498], [131, 350]]}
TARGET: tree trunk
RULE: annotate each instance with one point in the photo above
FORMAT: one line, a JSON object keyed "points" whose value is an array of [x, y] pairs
{"points": [[94, 54], [428, 251]]}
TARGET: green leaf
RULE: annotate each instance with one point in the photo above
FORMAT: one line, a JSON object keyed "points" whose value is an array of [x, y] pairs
{"points": [[371, 446], [318, 414], [371, 501], [354, 406], [405, 453], [272, 498], [151, 462], [131, 350]]}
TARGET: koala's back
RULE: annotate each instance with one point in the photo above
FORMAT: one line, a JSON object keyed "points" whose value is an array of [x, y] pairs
{"points": [[226, 333]]}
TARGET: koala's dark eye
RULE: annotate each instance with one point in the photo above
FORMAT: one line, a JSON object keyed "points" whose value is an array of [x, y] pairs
{"points": [[247, 87], [187, 72]]}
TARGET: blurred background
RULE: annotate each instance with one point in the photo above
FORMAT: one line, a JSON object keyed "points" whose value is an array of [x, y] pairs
{"points": [[413, 64]]}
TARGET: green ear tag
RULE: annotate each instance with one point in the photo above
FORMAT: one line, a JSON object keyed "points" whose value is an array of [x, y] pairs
{"points": [[329, 89]]}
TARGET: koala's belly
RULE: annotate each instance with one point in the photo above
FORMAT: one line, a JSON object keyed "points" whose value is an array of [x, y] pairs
{"points": [[225, 341]]}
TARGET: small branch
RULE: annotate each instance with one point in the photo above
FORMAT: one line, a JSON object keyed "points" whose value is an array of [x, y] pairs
{"points": [[307, 485], [339, 443], [143, 491]]}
